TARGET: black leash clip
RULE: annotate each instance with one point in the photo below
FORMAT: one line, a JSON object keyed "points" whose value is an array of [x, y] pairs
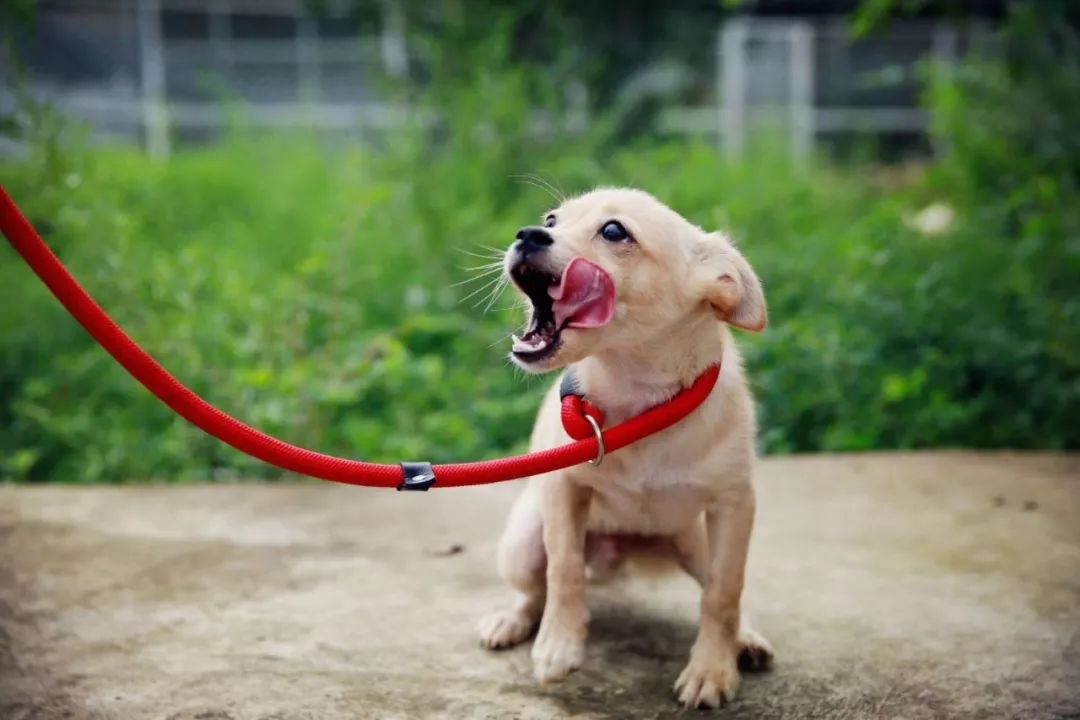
{"points": [[417, 476]]}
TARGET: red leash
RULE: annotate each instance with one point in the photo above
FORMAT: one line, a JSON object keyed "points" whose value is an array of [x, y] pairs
{"points": [[414, 476]]}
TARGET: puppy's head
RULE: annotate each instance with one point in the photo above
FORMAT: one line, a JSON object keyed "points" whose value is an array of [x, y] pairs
{"points": [[616, 269]]}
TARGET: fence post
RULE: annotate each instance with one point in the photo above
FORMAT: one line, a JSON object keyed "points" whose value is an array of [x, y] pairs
{"points": [[577, 107], [731, 54], [945, 43], [219, 34], [152, 78], [309, 72], [801, 88], [945, 50], [392, 39]]}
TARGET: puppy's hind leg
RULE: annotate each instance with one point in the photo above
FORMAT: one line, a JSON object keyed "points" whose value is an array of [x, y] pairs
{"points": [[755, 652], [522, 563]]}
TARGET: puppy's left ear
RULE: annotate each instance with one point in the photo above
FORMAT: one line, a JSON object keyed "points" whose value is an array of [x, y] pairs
{"points": [[731, 287]]}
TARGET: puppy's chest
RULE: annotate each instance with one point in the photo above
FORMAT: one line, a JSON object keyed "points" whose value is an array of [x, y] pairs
{"points": [[659, 484], [648, 496]]}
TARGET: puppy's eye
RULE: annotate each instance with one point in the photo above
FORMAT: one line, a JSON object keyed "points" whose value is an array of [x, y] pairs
{"points": [[614, 232], [549, 221]]}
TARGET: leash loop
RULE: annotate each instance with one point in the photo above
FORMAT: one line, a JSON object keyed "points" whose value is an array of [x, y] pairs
{"points": [[599, 441], [579, 416]]}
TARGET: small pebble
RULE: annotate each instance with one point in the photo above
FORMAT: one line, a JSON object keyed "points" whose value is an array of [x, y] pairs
{"points": [[455, 549]]}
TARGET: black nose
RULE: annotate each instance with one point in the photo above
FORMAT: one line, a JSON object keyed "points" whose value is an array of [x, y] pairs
{"points": [[532, 239]]}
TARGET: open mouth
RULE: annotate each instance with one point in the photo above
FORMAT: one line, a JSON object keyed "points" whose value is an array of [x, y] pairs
{"points": [[582, 297]]}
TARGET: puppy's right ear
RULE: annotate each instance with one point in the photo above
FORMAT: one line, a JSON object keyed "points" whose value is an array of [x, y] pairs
{"points": [[730, 285]]}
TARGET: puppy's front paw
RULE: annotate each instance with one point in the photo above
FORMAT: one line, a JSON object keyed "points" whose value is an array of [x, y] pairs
{"points": [[505, 628], [557, 652], [709, 679]]}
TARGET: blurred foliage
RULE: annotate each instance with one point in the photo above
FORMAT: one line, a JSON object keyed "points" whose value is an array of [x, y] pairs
{"points": [[17, 13], [1006, 120], [313, 290], [618, 62]]}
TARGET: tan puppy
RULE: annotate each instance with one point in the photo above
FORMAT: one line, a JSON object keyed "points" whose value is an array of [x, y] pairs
{"points": [[638, 301]]}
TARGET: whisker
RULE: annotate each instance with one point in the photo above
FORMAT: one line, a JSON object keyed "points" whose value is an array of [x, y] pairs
{"points": [[480, 289], [494, 265], [539, 182], [493, 252], [520, 374], [493, 295], [528, 180], [498, 252], [474, 278], [480, 271], [554, 191], [554, 186], [558, 186], [523, 328]]}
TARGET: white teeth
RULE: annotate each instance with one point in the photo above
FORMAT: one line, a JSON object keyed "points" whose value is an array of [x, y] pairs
{"points": [[532, 344]]}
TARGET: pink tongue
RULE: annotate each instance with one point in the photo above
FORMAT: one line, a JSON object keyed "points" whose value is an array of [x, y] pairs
{"points": [[585, 297]]}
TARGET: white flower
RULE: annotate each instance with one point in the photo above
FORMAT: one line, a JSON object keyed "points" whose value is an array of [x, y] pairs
{"points": [[935, 219]]}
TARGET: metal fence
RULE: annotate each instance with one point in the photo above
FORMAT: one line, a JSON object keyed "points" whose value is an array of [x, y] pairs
{"points": [[815, 79], [163, 82]]}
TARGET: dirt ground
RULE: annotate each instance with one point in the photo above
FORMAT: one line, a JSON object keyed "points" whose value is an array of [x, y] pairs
{"points": [[892, 586]]}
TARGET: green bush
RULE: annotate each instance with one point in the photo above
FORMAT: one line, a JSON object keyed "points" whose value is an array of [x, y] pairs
{"points": [[314, 291]]}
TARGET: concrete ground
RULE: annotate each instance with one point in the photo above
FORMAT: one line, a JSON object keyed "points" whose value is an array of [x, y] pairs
{"points": [[892, 586]]}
